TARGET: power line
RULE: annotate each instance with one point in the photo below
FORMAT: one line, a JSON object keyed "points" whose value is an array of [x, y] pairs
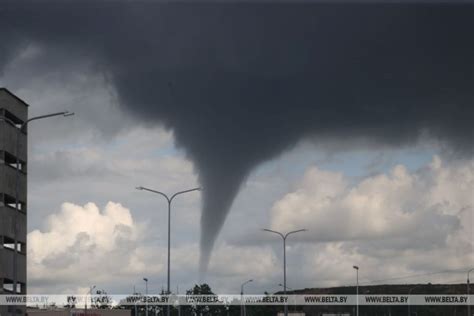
{"points": [[455, 282], [416, 275]]}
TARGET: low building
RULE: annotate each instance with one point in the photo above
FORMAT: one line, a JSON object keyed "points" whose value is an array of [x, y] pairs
{"points": [[78, 312]]}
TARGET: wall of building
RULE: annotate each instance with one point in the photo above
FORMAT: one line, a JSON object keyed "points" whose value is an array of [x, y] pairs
{"points": [[14, 109]]}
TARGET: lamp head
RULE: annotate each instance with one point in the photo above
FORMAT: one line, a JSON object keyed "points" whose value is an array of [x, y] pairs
{"points": [[356, 267]]}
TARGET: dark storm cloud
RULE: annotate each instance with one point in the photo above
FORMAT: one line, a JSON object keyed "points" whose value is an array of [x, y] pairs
{"points": [[240, 83]]}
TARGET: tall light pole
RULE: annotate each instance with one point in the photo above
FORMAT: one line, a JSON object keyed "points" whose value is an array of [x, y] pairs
{"points": [[179, 305], [243, 312], [468, 291], [22, 128], [134, 294], [284, 236], [409, 293], [146, 296], [90, 292], [169, 200], [357, 289]]}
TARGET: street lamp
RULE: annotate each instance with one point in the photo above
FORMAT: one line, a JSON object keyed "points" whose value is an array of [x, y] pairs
{"points": [[409, 293], [146, 296], [169, 200], [90, 292], [179, 305], [243, 312], [468, 291], [135, 301], [21, 128], [357, 288], [284, 256]]}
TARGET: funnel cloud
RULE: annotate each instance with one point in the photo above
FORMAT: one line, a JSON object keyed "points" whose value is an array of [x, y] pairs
{"points": [[240, 83]]}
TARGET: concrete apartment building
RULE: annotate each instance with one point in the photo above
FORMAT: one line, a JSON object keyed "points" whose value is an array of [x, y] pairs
{"points": [[13, 112]]}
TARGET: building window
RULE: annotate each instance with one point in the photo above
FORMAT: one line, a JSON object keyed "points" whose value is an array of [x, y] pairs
{"points": [[10, 160], [8, 285], [9, 201], [11, 117], [9, 243]]}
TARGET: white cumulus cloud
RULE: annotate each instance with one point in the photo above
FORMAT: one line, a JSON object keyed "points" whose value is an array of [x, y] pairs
{"points": [[396, 223], [82, 242], [399, 204]]}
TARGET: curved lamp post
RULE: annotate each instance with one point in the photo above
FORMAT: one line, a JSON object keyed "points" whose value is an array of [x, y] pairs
{"points": [[169, 200], [357, 288], [21, 128], [88, 293], [284, 236], [468, 290], [409, 293], [146, 295], [243, 312]]}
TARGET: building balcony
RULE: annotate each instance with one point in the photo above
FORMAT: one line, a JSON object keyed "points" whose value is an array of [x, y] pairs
{"points": [[6, 266], [6, 224], [8, 176], [11, 103], [8, 134]]}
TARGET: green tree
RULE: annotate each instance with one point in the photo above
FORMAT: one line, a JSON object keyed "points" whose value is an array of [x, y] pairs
{"points": [[204, 310], [102, 300]]}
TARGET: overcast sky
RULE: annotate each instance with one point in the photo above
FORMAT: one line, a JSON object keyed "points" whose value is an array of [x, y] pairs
{"points": [[352, 122]]}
